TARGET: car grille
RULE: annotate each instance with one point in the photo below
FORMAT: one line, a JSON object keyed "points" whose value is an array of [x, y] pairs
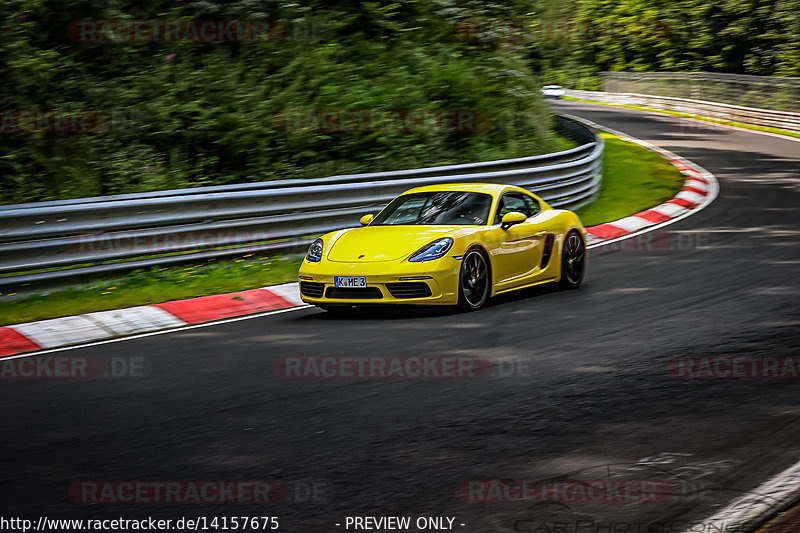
{"points": [[417, 289], [311, 289], [365, 293]]}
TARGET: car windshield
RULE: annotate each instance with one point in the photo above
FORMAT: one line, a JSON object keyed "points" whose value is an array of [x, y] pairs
{"points": [[436, 207]]}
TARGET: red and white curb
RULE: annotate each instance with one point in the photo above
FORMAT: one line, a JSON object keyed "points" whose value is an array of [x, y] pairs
{"points": [[699, 190], [93, 327]]}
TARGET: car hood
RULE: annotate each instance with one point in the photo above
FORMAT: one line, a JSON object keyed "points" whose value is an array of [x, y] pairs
{"points": [[383, 243]]}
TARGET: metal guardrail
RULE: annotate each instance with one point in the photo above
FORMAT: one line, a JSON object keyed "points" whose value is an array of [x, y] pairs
{"points": [[770, 92], [59, 240], [752, 116]]}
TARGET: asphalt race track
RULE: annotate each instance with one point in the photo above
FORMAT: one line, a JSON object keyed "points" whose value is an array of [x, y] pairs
{"points": [[590, 396]]}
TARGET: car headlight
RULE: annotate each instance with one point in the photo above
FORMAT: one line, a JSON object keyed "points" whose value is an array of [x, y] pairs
{"points": [[433, 250], [315, 251]]}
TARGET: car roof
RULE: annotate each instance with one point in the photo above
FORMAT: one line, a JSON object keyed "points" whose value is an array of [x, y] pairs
{"points": [[494, 189]]}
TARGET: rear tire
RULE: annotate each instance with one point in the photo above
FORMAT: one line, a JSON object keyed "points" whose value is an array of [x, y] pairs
{"points": [[573, 260], [474, 281]]}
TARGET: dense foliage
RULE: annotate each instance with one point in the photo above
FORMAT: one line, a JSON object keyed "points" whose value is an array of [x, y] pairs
{"points": [[760, 37], [181, 114]]}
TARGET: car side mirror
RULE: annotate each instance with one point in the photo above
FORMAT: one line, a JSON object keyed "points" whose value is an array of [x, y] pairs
{"points": [[514, 217], [367, 219]]}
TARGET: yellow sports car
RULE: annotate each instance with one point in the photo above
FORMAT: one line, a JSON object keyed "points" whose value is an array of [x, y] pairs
{"points": [[454, 244]]}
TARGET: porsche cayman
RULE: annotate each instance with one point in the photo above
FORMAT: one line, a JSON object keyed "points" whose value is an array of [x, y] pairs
{"points": [[454, 244]]}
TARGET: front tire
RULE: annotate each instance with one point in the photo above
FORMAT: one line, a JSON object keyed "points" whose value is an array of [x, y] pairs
{"points": [[474, 281], [573, 260]]}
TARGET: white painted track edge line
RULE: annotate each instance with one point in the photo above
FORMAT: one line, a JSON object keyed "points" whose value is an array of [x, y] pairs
{"points": [[756, 515], [758, 506]]}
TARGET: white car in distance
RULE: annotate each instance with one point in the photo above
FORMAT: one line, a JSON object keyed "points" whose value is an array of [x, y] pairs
{"points": [[553, 91]]}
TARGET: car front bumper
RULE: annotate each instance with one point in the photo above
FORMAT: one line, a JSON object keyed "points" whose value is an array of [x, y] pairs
{"points": [[388, 282]]}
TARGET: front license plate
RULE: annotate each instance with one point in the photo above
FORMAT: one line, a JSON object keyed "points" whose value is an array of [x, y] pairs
{"points": [[350, 281]]}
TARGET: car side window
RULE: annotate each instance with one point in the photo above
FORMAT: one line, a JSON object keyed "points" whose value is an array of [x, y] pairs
{"points": [[514, 201]]}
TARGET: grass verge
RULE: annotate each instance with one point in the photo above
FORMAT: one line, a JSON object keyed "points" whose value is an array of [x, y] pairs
{"points": [[143, 287], [634, 179], [693, 116]]}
